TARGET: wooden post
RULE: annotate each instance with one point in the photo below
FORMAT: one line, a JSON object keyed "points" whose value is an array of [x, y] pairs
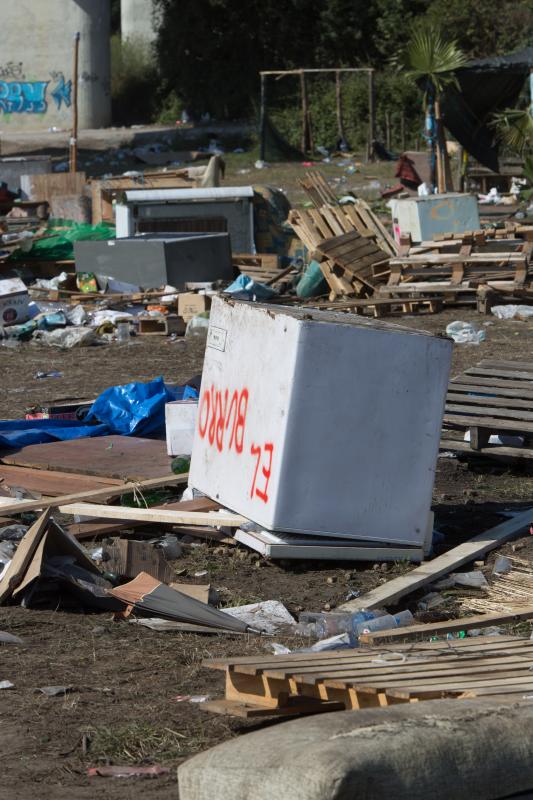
{"points": [[338, 99], [387, 130], [73, 154], [262, 120], [306, 127], [371, 116], [444, 173]]}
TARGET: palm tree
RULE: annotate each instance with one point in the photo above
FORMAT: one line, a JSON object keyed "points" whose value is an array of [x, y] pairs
{"points": [[432, 61], [514, 127]]}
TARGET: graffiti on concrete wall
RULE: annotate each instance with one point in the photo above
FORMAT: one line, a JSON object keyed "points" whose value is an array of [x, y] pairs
{"points": [[21, 96]]}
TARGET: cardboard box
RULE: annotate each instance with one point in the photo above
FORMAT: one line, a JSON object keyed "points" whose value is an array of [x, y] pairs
{"points": [[190, 304], [180, 421], [14, 301]]}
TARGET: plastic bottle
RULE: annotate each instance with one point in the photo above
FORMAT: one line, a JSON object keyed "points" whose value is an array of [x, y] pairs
{"points": [[123, 331], [385, 622], [323, 625]]}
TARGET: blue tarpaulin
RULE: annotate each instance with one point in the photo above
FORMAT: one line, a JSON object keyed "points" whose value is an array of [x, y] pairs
{"points": [[133, 409]]}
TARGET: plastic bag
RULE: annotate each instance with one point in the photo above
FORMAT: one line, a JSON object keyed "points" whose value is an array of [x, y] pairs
{"points": [[67, 338], [245, 288], [137, 408], [465, 333], [512, 312]]}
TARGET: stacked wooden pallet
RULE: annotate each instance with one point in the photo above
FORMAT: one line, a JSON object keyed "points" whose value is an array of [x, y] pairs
{"points": [[369, 677], [472, 268], [494, 398], [349, 241]]}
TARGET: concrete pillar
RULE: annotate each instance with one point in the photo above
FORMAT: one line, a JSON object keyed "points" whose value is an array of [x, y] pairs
{"points": [[137, 20], [36, 51]]}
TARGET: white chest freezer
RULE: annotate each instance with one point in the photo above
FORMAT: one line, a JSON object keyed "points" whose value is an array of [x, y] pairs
{"points": [[424, 217], [320, 422]]}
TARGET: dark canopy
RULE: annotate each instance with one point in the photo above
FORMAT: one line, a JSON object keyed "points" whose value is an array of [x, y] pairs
{"points": [[487, 86]]}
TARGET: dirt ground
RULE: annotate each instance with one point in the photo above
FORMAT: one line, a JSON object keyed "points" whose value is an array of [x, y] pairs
{"points": [[125, 679]]}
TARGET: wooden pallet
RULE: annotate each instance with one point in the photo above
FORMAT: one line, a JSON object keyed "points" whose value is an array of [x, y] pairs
{"points": [[321, 195], [161, 326], [494, 397], [371, 677], [323, 230], [262, 267]]}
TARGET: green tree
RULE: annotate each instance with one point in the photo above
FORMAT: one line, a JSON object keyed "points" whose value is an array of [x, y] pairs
{"points": [[487, 28]]}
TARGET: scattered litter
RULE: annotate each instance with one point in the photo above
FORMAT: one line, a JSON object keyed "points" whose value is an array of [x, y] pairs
{"points": [[512, 312], [10, 638], [278, 649], [6, 685], [191, 698], [127, 772], [502, 566], [465, 333], [55, 691], [474, 579], [53, 374], [269, 616]]}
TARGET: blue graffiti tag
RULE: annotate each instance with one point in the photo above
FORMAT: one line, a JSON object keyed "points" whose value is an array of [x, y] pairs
{"points": [[19, 97], [61, 92]]}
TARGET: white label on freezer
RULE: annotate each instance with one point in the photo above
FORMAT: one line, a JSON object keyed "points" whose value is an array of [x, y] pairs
{"points": [[216, 338]]}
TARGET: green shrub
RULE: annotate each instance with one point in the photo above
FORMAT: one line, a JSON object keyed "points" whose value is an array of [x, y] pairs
{"points": [[134, 81]]}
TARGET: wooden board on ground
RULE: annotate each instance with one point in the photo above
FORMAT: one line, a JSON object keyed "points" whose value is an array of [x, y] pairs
{"points": [[101, 527], [11, 506], [123, 457], [389, 593], [173, 516], [371, 677], [451, 625], [50, 482]]}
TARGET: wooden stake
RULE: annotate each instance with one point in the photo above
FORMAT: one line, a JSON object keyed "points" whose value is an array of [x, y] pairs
{"points": [[73, 155], [307, 144], [262, 119], [371, 116], [338, 100]]}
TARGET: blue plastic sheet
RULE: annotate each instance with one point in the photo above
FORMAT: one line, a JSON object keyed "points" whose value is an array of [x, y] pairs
{"points": [[22, 432], [132, 409], [245, 288], [137, 408]]}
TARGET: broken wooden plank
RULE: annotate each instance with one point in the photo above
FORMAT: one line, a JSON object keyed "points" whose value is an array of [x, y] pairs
{"points": [[123, 457], [20, 506], [389, 593], [172, 517], [449, 626]]}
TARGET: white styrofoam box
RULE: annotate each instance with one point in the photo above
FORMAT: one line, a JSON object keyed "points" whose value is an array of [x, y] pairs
{"points": [[320, 422], [423, 217], [14, 302], [180, 422]]}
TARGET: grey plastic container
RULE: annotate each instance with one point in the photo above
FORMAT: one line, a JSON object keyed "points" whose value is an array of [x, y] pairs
{"points": [[157, 259]]}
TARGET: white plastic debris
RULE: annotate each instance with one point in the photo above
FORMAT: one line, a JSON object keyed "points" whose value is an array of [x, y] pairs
{"points": [[66, 338], [505, 439], [465, 333], [6, 685], [267, 616], [474, 579], [512, 312]]}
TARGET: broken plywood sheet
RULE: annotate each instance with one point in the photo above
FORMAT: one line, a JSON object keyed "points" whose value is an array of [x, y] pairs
{"points": [[124, 457]]}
